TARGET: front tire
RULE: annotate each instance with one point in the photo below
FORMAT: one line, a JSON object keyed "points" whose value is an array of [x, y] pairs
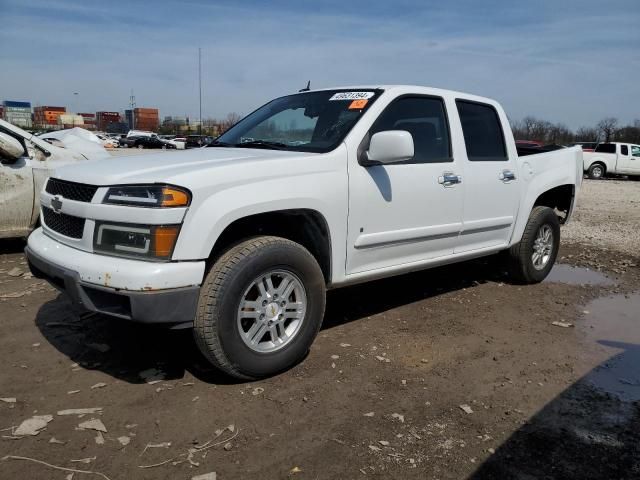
{"points": [[531, 260], [597, 171], [260, 308]]}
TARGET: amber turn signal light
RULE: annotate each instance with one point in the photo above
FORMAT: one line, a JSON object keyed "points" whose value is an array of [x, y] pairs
{"points": [[164, 239], [173, 197]]}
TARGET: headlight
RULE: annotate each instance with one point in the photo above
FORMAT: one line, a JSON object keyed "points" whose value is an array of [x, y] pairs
{"points": [[151, 242], [148, 196]]}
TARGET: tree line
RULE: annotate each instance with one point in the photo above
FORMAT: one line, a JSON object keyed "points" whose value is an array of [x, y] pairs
{"points": [[606, 130]]}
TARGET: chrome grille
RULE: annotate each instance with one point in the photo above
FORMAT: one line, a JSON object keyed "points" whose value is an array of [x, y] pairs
{"points": [[64, 224], [71, 190]]}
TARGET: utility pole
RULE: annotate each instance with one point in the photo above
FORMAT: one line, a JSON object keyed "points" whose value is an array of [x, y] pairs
{"points": [[132, 105], [200, 86]]}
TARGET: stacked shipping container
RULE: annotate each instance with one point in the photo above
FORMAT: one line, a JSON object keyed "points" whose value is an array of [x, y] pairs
{"points": [[104, 119], [47, 116], [146, 119], [89, 120]]}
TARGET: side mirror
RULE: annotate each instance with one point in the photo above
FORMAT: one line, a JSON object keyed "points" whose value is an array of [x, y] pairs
{"points": [[392, 146], [10, 148]]}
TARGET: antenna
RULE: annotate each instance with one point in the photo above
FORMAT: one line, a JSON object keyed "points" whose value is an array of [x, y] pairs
{"points": [[307, 88]]}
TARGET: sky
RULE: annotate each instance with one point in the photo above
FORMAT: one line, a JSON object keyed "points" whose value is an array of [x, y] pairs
{"points": [[568, 61]]}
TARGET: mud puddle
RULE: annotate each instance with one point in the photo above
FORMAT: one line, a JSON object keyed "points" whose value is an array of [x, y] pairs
{"points": [[614, 323], [563, 273]]}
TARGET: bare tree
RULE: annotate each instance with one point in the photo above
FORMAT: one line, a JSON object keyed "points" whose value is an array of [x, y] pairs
{"points": [[607, 127], [586, 134], [230, 120]]}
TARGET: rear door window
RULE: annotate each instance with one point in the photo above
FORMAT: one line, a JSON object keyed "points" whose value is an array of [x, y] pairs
{"points": [[624, 150], [483, 135]]}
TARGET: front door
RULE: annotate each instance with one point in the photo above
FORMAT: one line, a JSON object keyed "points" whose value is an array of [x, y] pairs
{"points": [[492, 183], [411, 211]]}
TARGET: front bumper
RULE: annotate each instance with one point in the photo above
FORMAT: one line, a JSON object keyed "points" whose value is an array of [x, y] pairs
{"points": [[175, 305]]}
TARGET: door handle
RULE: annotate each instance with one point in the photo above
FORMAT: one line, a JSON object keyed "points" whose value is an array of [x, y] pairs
{"points": [[448, 179], [507, 176]]}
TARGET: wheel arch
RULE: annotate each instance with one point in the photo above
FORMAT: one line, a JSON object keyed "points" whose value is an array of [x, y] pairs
{"points": [[560, 199], [305, 226]]}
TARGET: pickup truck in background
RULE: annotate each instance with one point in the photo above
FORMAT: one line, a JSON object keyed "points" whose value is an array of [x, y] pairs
{"points": [[25, 163], [613, 159], [314, 190]]}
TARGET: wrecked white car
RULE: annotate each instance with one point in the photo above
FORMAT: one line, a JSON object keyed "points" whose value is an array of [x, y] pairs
{"points": [[26, 161]]}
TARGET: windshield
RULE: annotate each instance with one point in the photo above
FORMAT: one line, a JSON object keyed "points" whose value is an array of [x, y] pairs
{"points": [[308, 122]]}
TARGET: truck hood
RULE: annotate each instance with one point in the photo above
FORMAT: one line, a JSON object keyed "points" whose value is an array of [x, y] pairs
{"points": [[182, 168]]}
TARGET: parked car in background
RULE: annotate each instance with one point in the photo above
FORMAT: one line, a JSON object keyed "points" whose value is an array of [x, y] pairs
{"points": [[108, 142], [141, 133], [240, 241], [26, 161], [179, 143], [586, 146], [613, 158], [128, 142], [153, 142], [195, 141]]}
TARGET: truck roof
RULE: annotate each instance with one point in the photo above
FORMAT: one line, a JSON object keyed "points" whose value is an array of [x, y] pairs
{"points": [[409, 89]]}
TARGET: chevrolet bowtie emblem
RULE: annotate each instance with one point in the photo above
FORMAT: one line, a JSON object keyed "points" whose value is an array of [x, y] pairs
{"points": [[56, 204]]}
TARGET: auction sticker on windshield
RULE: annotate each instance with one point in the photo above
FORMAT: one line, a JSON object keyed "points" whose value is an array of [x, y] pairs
{"points": [[352, 96]]}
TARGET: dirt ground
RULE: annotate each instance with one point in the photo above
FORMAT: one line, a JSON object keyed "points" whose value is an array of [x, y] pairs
{"points": [[445, 374]]}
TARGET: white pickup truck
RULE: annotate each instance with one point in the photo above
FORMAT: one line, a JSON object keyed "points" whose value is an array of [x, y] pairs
{"points": [[25, 163], [613, 159], [314, 190]]}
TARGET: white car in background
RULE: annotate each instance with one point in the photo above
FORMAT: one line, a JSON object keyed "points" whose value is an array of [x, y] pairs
{"points": [[108, 142], [614, 158]]}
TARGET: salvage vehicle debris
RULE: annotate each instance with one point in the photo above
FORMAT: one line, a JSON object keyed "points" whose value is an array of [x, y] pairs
{"points": [[26, 161]]}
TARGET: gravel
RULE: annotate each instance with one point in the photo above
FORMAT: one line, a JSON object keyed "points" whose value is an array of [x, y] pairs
{"points": [[608, 215]]}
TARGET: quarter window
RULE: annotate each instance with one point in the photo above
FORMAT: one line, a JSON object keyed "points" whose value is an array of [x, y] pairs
{"points": [[425, 119], [482, 130], [606, 148], [624, 150]]}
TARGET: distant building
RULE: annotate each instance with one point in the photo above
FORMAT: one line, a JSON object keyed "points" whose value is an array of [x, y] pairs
{"points": [[47, 116], [2, 111], [104, 119], [143, 119], [17, 113], [89, 120]]}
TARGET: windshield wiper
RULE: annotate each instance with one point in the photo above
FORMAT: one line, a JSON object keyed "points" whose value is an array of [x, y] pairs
{"points": [[262, 144], [218, 143]]}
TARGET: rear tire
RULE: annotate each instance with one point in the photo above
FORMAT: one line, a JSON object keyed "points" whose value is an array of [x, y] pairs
{"points": [[597, 171], [531, 260], [228, 308]]}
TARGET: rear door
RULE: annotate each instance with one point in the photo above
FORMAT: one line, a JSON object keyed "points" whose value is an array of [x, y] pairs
{"points": [[492, 184], [411, 211]]}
